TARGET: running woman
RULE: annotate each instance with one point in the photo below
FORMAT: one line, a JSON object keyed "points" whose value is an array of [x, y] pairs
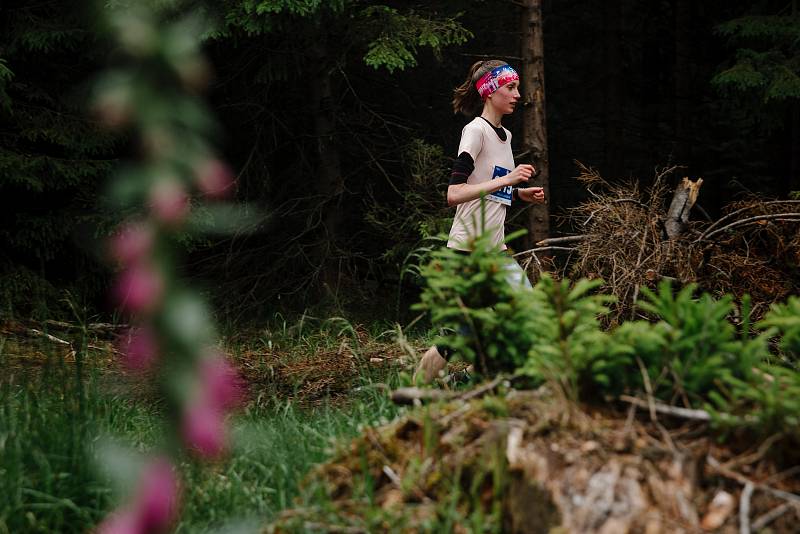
{"points": [[484, 167]]}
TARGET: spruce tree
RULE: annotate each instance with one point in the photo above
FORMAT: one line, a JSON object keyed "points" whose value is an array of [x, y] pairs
{"points": [[52, 157]]}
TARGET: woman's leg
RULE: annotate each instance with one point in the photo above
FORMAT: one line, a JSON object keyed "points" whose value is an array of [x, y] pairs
{"points": [[515, 276], [429, 367]]}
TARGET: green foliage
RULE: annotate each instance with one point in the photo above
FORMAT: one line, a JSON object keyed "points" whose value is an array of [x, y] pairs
{"points": [[764, 74], [52, 157], [568, 347], [401, 34], [689, 353], [697, 344], [767, 399], [468, 295], [784, 320], [425, 214], [51, 438], [388, 37], [5, 77]]}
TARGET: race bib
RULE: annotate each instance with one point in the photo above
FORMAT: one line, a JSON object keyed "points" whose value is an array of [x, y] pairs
{"points": [[503, 196]]}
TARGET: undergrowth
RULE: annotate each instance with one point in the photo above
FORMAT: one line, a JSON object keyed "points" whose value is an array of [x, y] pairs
{"points": [[689, 349], [55, 422]]}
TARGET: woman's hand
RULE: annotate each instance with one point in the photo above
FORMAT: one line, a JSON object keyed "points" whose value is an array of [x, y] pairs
{"points": [[522, 173], [531, 194]]}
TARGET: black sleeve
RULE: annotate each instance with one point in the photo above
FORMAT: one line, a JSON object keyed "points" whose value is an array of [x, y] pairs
{"points": [[462, 168]]}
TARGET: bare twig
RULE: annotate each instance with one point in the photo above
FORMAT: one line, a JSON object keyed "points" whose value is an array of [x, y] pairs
{"points": [[411, 394], [561, 240], [750, 458], [708, 235], [54, 339], [748, 208], [477, 392], [540, 249], [729, 473], [771, 516], [676, 411], [744, 509]]}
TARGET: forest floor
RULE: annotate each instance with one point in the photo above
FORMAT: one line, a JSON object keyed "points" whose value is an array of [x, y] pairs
{"points": [[321, 448]]}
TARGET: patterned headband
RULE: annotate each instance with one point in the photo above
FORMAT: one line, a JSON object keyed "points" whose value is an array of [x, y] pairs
{"points": [[495, 79]]}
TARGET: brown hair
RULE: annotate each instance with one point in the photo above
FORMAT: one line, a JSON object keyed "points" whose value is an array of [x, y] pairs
{"points": [[466, 99]]}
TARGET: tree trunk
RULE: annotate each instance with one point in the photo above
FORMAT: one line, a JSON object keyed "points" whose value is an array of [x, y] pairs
{"points": [[794, 139], [682, 201], [534, 131], [328, 181], [682, 79], [612, 15]]}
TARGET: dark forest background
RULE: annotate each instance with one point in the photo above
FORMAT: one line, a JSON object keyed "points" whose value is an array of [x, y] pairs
{"points": [[336, 117]]}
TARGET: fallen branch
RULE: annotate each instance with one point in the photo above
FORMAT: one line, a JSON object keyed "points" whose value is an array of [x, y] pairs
{"points": [[561, 240], [771, 516], [540, 249], [685, 413], [477, 392], [748, 208], [54, 339], [412, 395], [90, 326], [744, 509], [708, 235], [743, 480]]}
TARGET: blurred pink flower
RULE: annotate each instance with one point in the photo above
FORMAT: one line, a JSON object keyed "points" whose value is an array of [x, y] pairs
{"points": [[113, 107], [157, 500], [139, 348], [204, 429], [155, 506], [132, 243], [214, 179], [139, 288], [122, 521], [220, 383], [169, 201]]}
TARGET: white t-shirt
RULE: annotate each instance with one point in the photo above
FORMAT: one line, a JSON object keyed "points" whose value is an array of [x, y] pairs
{"points": [[493, 157]]}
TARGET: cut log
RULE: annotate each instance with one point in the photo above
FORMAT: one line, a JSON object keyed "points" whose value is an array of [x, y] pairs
{"points": [[682, 201]]}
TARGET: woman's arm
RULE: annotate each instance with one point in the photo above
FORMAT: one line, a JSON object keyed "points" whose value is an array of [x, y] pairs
{"points": [[460, 193]]}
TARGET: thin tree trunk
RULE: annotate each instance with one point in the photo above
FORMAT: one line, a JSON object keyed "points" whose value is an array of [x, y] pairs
{"points": [[794, 138], [612, 15], [534, 130], [682, 78], [794, 147], [328, 181]]}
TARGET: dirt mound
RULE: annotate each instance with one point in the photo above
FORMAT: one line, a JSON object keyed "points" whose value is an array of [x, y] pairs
{"points": [[525, 463]]}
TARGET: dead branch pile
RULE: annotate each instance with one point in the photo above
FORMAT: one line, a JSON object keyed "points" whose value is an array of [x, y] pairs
{"points": [[544, 471], [632, 238]]}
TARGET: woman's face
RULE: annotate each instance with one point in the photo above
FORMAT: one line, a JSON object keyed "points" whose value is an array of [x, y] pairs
{"points": [[504, 100]]}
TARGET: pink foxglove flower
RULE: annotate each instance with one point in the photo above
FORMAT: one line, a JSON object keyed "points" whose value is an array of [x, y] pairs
{"points": [[139, 348], [169, 202], [139, 288], [132, 243], [220, 383], [214, 179], [155, 506], [204, 429], [158, 495], [121, 522]]}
